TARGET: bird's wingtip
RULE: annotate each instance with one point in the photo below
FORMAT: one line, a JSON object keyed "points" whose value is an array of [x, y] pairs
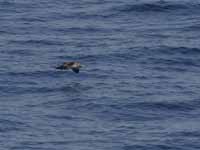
{"points": [[75, 70]]}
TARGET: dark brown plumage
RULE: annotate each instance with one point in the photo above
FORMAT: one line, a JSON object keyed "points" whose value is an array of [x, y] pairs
{"points": [[75, 66]]}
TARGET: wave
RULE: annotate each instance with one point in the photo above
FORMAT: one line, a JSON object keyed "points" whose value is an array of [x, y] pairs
{"points": [[172, 62], [80, 30], [143, 111], [192, 27], [101, 57], [180, 50], [171, 58], [72, 88], [12, 125], [158, 6], [154, 107], [38, 42]]}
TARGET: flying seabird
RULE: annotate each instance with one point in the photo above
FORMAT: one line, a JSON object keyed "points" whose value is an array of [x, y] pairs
{"points": [[75, 66]]}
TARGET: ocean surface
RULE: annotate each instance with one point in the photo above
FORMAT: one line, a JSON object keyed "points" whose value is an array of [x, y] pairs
{"points": [[139, 88]]}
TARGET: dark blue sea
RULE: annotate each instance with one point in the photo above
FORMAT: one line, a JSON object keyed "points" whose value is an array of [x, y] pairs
{"points": [[139, 88]]}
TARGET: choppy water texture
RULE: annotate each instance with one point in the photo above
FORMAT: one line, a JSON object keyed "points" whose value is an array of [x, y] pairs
{"points": [[139, 88]]}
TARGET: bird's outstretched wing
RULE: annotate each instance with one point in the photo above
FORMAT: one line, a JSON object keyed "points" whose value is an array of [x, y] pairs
{"points": [[76, 70]]}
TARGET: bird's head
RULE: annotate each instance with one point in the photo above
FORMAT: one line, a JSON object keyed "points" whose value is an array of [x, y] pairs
{"points": [[77, 65]]}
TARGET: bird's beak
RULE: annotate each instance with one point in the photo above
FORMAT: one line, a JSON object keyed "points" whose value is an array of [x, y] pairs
{"points": [[82, 66]]}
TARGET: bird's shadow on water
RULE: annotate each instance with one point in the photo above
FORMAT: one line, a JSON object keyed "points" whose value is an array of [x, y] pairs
{"points": [[73, 87]]}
